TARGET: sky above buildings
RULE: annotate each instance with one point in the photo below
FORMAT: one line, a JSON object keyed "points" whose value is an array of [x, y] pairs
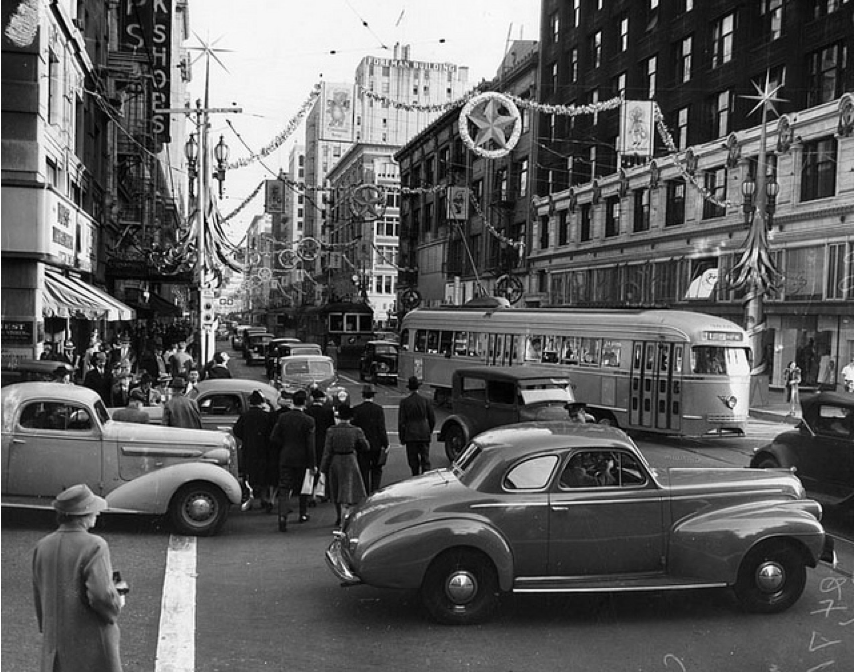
{"points": [[280, 49]]}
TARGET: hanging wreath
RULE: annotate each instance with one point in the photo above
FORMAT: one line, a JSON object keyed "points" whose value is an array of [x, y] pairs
{"points": [[287, 259], [308, 249], [410, 299], [490, 113], [510, 287], [368, 202], [264, 274]]}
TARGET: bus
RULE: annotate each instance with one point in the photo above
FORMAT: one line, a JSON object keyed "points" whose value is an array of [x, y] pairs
{"points": [[670, 372], [350, 325]]}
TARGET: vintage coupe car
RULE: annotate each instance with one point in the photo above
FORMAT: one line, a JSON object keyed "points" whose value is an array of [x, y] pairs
{"points": [[379, 362], [55, 435], [561, 507], [286, 347], [820, 448], [483, 397], [237, 335], [222, 400]]}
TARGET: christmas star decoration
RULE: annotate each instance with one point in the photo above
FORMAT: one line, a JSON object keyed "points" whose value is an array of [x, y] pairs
{"points": [[491, 124], [766, 95], [491, 114]]}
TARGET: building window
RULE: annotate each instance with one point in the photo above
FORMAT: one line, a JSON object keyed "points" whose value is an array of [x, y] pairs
{"points": [[562, 228], [804, 273], [641, 216], [554, 77], [772, 18], [596, 48], [523, 178], [682, 128], [826, 74], [576, 13], [715, 182], [444, 161], [719, 114], [501, 185], [624, 33], [683, 6], [824, 7], [722, 38], [651, 67], [573, 65], [818, 173], [612, 216], [586, 221], [428, 171], [477, 192], [54, 88], [775, 77], [683, 59], [675, 213], [620, 85], [544, 232], [554, 20], [836, 279]]}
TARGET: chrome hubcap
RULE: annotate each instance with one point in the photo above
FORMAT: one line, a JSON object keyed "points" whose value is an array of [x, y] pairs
{"points": [[770, 577], [199, 508], [461, 587]]}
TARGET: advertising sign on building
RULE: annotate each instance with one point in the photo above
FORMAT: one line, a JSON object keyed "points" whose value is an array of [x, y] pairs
{"points": [[337, 112], [458, 203], [636, 128], [275, 196], [145, 29]]}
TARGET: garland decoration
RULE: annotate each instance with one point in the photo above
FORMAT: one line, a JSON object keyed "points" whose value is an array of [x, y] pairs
{"points": [[411, 107], [246, 201], [277, 142], [368, 202], [490, 113], [518, 245]]}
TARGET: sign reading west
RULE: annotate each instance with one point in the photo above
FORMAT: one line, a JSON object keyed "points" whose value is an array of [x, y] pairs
{"points": [[145, 30]]}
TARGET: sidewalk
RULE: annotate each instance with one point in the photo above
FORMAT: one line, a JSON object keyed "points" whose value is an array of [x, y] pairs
{"points": [[777, 409]]}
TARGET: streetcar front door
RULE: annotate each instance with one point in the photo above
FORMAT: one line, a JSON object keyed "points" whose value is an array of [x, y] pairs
{"points": [[656, 386]]}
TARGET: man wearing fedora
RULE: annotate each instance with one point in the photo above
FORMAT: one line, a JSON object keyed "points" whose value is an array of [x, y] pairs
{"points": [[180, 410], [99, 379], [77, 602], [415, 423], [370, 417]]}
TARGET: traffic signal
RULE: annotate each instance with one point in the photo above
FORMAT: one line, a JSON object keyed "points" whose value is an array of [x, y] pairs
{"points": [[208, 313]]}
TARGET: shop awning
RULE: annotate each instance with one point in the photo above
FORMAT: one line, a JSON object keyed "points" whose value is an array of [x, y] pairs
{"points": [[70, 297], [157, 305]]}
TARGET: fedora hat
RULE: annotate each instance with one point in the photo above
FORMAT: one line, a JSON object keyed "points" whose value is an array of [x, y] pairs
{"points": [[78, 500], [178, 383], [413, 383], [256, 398], [368, 391]]}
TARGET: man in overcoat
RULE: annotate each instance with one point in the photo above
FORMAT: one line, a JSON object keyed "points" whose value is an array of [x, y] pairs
{"points": [[293, 439], [253, 428], [77, 604], [370, 417], [415, 423], [324, 418], [181, 411], [99, 379]]}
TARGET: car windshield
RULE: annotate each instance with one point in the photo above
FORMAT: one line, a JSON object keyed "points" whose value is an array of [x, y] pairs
{"points": [[466, 459], [543, 394], [386, 350], [713, 359], [304, 367], [101, 410]]}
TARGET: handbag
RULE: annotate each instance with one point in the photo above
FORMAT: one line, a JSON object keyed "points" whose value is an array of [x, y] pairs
{"points": [[320, 486], [382, 458], [307, 483]]}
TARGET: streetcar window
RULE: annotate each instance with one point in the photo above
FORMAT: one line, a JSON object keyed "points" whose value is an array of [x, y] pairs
{"points": [[366, 323], [533, 349], [433, 342], [611, 353], [715, 360], [351, 323], [550, 350], [404, 339], [336, 322], [446, 339], [461, 343], [590, 348], [421, 340], [569, 350]]}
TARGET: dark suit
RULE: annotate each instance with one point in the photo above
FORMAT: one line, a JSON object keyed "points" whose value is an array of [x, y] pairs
{"points": [[415, 423], [101, 382], [370, 417], [292, 439]]}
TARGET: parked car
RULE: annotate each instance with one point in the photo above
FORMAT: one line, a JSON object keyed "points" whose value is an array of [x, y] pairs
{"points": [[286, 347], [26, 370], [306, 372], [237, 336], [820, 448], [222, 400], [56, 435], [561, 507], [255, 346], [379, 361], [483, 397]]}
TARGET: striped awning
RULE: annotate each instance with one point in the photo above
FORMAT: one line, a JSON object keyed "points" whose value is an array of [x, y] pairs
{"points": [[70, 297]]}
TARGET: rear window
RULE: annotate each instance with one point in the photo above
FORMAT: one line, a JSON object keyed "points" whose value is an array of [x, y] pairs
{"points": [[308, 366]]}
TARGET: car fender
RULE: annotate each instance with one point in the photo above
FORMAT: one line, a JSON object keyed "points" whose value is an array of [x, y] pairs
{"points": [[711, 546], [782, 452], [152, 492], [461, 420], [401, 559]]}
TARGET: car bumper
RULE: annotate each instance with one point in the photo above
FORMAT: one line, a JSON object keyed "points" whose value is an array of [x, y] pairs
{"points": [[828, 552], [337, 563]]}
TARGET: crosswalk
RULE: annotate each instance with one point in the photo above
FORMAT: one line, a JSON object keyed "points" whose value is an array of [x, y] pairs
{"points": [[176, 642]]}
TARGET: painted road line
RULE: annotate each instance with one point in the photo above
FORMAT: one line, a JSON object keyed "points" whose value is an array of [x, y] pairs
{"points": [[176, 645]]}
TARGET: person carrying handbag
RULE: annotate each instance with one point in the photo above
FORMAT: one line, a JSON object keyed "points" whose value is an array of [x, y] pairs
{"points": [[792, 378]]}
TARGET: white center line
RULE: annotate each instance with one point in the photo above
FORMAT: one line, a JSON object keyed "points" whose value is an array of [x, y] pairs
{"points": [[176, 646]]}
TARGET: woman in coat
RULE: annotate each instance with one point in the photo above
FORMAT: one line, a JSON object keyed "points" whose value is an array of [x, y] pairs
{"points": [[343, 444], [77, 603]]}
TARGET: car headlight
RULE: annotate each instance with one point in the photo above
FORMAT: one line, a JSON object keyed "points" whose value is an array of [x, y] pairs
{"points": [[342, 395], [731, 401]]}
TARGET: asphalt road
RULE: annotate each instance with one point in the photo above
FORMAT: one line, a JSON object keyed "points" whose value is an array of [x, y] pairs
{"points": [[260, 600]]}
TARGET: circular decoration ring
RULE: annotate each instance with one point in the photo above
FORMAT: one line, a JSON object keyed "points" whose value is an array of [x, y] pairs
{"points": [[411, 299], [287, 259], [308, 249], [490, 113], [264, 274], [510, 287], [368, 202]]}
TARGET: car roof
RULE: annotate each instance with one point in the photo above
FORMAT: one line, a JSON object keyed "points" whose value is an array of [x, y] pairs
{"points": [[46, 366], [236, 385], [47, 389], [384, 342], [286, 339], [512, 373], [295, 358], [524, 437]]}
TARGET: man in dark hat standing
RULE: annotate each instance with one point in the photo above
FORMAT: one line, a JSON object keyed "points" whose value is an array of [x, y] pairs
{"points": [[370, 417], [77, 602], [181, 411], [415, 423], [253, 428], [324, 418], [99, 379], [292, 440]]}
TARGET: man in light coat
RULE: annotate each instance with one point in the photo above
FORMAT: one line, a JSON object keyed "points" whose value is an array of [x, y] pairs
{"points": [[77, 603], [181, 411]]}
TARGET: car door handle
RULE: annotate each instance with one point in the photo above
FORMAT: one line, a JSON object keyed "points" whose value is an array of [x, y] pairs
{"points": [[560, 508], [18, 441]]}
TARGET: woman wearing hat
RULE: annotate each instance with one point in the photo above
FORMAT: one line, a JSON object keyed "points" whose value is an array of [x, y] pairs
{"points": [[344, 442], [77, 603]]}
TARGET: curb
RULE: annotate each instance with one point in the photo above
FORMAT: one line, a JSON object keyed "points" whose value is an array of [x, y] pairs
{"points": [[774, 416]]}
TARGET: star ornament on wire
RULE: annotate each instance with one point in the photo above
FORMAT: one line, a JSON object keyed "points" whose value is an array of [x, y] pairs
{"points": [[766, 96], [491, 113]]}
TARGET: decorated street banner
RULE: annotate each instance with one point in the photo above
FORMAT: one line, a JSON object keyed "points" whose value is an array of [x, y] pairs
{"points": [[458, 203], [636, 127], [337, 102]]}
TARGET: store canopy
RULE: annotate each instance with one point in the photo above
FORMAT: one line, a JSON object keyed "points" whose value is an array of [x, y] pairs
{"points": [[157, 305], [70, 297]]}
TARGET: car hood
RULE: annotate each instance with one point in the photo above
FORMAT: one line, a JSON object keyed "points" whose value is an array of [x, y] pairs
{"points": [[168, 436]]}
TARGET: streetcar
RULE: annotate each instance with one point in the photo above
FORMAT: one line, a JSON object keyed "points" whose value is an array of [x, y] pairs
{"points": [[350, 325], [662, 371]]}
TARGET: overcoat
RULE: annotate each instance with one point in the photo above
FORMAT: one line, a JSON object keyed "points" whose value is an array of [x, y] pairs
{"points": [[253, 429], [77, 604], [415, 419], [324, 418], [181, 411], [371, 418], [343, 443], [292, 440]]}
